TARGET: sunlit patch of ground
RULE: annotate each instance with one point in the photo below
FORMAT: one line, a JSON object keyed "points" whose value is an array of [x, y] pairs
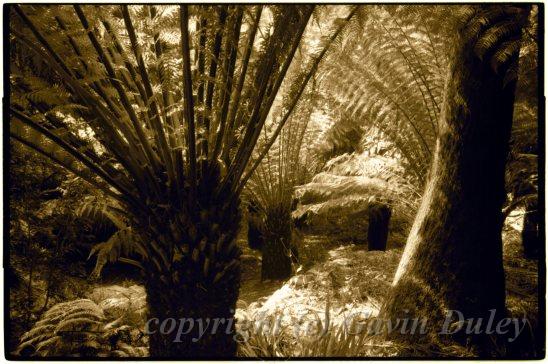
{"points": [[349, 284], [348, 281]]}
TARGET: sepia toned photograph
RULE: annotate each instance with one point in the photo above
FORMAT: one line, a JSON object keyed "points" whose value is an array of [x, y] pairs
{"points": [[187, 181]]}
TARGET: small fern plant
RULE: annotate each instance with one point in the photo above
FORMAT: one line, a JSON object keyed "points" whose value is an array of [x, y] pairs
{"points": [[86, 328], [67, 329]]}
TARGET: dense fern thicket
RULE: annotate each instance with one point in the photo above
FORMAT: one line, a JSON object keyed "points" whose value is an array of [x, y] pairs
{"points": [[392, 81], [48, 242], [337, 201], [178, 182]]}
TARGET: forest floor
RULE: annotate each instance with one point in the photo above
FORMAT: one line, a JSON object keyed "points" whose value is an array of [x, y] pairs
{"points": [[346, 282], [335, 284], [348, 279]]}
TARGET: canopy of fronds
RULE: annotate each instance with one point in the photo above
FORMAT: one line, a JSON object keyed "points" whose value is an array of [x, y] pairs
{"points": [[290, 160], [160, 107], [149, 98], [389, 73]]}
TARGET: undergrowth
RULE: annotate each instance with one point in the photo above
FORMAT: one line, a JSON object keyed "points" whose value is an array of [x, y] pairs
{"points": [[317, 313]]}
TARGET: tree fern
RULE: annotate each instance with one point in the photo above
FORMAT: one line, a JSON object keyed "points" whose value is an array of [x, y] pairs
{"points": [[161, 109], [392, 81], [280, 162]]}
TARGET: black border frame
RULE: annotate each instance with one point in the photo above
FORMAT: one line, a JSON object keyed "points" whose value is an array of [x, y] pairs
{"points": [[541, 140]]}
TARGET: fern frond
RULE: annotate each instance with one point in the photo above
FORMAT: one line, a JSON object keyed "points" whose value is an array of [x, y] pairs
{"points": [[61, 327], [123, 243], [103, 211]]}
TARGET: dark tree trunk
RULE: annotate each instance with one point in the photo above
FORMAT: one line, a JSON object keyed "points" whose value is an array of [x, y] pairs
{"points": [[202, 316], [530, 233], [453, 256], [277, 248], [294, 248], [201, 285], [255, 231], [377, 230]]}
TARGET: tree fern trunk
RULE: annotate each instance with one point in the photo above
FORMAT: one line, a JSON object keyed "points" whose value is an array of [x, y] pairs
{"points": [[209, 308], [201, 286], [255, 237], [255, 228], [277, 245], [453, 256], [377, 231]]}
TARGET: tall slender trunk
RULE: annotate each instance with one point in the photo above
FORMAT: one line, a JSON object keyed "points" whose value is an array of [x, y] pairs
{"points": [[453, 256]]}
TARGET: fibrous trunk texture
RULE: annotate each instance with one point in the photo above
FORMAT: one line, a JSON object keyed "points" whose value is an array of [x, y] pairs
{"points": [[192, 301], [255, 230], [277, 245], [453, 256]]}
